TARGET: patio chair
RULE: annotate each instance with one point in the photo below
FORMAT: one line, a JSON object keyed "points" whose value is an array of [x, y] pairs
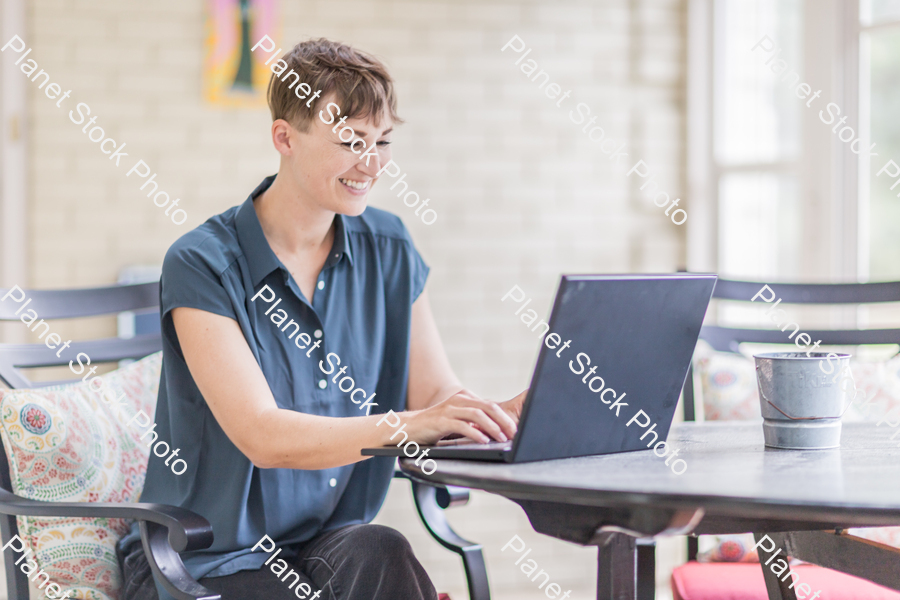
{"points": [[727, 339], [165, 530]]}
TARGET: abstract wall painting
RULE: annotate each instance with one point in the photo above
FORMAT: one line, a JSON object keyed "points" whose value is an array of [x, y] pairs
{"points": [[232, 75]]}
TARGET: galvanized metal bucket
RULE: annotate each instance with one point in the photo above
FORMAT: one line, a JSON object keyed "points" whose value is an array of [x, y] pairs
{"points": [[801, 404]]}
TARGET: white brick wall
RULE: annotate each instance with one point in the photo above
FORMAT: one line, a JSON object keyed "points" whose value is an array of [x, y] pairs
{"points": [[521, 194]]}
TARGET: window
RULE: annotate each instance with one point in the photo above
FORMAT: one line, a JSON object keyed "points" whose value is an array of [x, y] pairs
{"points": [[879, 92], [784, 198], [756, 138]]}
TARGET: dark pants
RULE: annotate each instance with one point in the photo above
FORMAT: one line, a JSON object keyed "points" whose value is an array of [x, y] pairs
{"points": [[357, 562]]}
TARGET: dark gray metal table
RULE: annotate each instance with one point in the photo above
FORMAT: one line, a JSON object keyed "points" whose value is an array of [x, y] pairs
{"points": [[802, 499]]}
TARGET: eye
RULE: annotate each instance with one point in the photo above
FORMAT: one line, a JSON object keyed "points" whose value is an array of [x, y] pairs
{"points": [[384, 143]]}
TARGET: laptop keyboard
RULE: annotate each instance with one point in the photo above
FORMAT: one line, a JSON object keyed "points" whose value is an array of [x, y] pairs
{"points": [[467, 443]]}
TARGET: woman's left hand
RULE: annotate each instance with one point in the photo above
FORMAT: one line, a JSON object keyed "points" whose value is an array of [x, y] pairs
{"points": [[514, 407]]}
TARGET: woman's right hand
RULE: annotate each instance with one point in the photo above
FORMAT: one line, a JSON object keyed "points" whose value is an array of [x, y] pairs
{"points": [[464, 414]]}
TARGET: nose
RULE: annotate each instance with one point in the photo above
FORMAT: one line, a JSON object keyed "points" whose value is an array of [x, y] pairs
{"points": [[371, 164]]}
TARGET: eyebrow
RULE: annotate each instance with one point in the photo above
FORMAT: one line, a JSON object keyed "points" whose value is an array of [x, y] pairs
{"points": [[362, 133]]}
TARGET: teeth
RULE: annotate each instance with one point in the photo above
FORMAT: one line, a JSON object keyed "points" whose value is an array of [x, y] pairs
{"points": [[356, 185]]}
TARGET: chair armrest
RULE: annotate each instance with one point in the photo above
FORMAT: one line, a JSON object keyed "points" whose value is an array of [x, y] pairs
{"points": [[430, 498], [167, 567], [447, 496], [165, 531], [186, 530]]}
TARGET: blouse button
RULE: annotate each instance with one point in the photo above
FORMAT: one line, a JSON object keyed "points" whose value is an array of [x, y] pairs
{"points": [[321, 285], [322, 384]]}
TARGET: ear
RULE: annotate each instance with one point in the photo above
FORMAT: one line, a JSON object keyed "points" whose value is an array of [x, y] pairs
{"points": [[284, 137]]}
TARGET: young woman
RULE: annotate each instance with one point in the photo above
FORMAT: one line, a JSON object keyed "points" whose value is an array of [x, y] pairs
{"points": [[284, 317]]}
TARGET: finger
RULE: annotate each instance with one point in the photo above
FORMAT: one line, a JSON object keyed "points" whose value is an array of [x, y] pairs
{"points": [[460, 428], [500, 416], [481, 419], [506, 423], [516, 404], [467, 430]]}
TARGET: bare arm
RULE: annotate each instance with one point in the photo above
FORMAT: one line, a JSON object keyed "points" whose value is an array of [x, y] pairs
{"points": [[237, 393], [234, 387], [431, 378], [434, 386]]}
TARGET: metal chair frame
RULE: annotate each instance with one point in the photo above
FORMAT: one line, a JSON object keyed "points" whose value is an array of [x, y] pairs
{"points": [[165, 530]]}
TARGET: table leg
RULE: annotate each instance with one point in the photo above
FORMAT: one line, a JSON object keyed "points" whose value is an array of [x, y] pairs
{"points": [[617, 561], [646, 569], [777, 589]]}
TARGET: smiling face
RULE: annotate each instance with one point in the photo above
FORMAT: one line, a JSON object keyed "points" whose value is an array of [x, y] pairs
{"points": [[325, 170]]}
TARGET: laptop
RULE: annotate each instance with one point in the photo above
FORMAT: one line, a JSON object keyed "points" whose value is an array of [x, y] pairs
{"points": [[639, 331]]}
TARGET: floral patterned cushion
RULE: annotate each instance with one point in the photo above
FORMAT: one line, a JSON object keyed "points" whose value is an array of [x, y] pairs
{"points": [[731, 548], [66, 444], [889, 536], [729, 390], [727, 384], [727, 548], [878, 390]]}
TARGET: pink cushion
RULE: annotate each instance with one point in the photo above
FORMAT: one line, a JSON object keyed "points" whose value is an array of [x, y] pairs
{"points": [[744, 581]]}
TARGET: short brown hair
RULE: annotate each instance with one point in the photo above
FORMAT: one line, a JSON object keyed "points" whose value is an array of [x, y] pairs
{"points": [[360, 82]]}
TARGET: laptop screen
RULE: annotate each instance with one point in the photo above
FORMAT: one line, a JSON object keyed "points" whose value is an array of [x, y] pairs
{"points": [[630, 342]]}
